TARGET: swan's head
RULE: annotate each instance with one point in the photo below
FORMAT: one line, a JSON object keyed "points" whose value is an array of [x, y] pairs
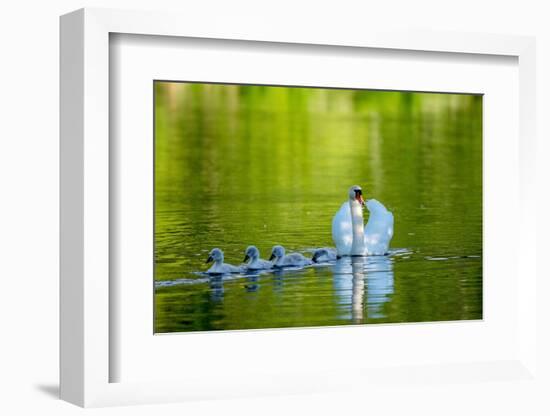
{"points": [[216, 255], [356, 194], [277, 253], [251, 253]]}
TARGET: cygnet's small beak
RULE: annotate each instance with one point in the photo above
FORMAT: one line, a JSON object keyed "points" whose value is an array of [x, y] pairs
{"points": [[315, 257], [246, 258], [209, 259], [271, 257]]}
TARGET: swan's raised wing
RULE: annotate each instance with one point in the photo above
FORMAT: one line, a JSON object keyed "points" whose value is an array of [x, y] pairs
{"points": [[341, 230], [379, 228]]}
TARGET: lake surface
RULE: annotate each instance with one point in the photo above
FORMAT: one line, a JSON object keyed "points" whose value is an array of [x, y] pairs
{"points": [[242, 165]]}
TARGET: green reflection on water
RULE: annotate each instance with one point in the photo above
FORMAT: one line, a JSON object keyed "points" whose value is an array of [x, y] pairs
{"points": [[239, 165]]}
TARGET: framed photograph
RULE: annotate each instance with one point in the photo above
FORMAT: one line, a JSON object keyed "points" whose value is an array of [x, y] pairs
{"points": [[300, 208]]}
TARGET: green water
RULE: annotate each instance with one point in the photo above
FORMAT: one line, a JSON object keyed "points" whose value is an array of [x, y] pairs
{"points": [[241, 165]]}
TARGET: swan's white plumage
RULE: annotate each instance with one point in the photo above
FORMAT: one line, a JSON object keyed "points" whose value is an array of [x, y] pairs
{"points": [[379, 228], [341, 230], [378, 231]]}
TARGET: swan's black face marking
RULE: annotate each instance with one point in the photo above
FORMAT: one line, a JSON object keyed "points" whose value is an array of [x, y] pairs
{"points": [[359, 196], [355, 192]]}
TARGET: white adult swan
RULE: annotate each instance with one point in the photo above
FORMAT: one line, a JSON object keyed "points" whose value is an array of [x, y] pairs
{"points": [[219, 267], [252, 256], [349, 234], [288, 260]]}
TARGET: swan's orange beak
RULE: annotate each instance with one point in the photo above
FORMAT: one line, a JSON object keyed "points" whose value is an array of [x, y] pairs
{"points": [[359, 198]]}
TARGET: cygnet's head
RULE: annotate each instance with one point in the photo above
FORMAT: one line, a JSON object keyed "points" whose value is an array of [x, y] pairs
{"points": [[356, 194], [277, 253], [318, 254], [216, 255], [251, 253]]}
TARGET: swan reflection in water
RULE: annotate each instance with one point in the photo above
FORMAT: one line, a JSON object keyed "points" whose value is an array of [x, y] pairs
{"points": [[251, 284], [363, 285], [216, 288], [216, 283]]}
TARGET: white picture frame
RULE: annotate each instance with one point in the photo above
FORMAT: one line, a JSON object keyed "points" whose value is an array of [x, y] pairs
{"points": [[86, 355]]}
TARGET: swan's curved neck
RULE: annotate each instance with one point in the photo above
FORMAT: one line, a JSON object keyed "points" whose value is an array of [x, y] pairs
{"points": [[358, 230]]}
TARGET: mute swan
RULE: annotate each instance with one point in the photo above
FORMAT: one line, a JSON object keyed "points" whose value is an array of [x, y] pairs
{"points": [[348, 233], [252, 255], [219, 267], [289, 260], [322, 255]]}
